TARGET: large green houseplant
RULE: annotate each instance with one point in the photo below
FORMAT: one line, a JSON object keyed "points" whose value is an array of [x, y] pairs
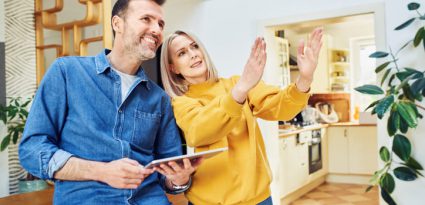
{"points": [[404, 90], [14, 116]]}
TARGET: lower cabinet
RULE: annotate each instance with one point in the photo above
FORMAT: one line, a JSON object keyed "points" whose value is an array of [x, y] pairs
{"points": [[353, 150], [293, 164]]}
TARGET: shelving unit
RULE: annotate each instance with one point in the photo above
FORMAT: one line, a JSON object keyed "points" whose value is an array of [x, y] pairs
{"points": [[339, 69], [282, 51]]}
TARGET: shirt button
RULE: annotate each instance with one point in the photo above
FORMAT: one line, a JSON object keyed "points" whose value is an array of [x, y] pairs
{"points": [[120, 111]]}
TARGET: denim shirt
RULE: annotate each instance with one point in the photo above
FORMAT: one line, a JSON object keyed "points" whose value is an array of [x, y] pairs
{"points": [[78, 111]]}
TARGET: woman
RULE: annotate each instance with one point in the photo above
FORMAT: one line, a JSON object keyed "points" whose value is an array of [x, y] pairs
{"points": [[217, 112]]}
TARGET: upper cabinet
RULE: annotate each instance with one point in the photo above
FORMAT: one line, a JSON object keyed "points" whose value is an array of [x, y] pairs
{"points": [[282, 51], [339, 70]]}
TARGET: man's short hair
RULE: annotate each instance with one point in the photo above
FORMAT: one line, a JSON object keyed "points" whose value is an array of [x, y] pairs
{"points": [[121, 6]]}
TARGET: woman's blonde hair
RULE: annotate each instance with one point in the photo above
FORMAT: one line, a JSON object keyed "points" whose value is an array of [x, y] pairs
{"points": [[175, 84]]}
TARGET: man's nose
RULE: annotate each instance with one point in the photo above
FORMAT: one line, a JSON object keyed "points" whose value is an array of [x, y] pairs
{"points": [[156, 28]]}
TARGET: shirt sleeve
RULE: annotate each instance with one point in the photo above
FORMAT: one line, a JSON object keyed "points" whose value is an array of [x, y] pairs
{"points": [[272, 103], [209, 123], [39, 153]]}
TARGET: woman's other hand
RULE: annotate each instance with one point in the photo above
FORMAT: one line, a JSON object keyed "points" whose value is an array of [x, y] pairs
{"points": [[253, 71], [307, 57], [178, 174]]}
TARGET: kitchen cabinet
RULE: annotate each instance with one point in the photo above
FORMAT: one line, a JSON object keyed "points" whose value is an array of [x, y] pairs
{"points": [[293, 164], [282, 50], [352, 149], [339, 70]]}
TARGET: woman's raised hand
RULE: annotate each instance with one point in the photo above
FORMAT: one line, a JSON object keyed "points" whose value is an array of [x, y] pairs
{"points": [[253, 71], [307, 57]]}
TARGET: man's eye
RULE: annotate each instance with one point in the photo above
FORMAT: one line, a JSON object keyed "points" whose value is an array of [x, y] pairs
{"points": [[146, 19]]}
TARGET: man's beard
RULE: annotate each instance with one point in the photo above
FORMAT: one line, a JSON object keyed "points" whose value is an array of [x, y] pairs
{"points": [[139, 51]]}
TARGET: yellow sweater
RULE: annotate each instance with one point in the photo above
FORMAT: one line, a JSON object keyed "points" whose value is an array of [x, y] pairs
{"points": [[211, 119]]}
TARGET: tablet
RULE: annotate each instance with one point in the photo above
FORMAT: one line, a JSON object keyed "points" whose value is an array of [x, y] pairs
{"points": [[191, 157]]}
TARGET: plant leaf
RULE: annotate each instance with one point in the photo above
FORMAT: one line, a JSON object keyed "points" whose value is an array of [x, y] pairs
{"points": [[407, 114], [403, 125], [413, 6], [408, 93], [418, 37], [378, 54], [368, 188], [405, 24], [385, 76], [391, 79], [417, 86], [384, 153], [387, 197], [372, 104], [393, 123], [15, 137], [5, 142], [383, 105], [387, 182], [370, 89], [382, 66], [405, 174], [413, 164], [402, 147]]}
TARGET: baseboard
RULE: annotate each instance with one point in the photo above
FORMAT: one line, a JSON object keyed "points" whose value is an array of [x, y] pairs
{"points": [[348, 178], [302, 191]]}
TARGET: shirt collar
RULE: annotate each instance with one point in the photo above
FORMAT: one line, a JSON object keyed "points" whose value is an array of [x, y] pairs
{"points": [[102, 64]]}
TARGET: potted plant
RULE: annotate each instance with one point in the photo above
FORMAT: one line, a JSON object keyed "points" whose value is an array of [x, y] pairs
{"points": [[14, 117], [404, 90]]}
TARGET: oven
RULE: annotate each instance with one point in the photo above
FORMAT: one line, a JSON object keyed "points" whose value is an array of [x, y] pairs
{"points": [[315, 151]]}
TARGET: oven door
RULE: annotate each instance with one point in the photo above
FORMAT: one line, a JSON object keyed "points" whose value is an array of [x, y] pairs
{"points": [[315, 155]]}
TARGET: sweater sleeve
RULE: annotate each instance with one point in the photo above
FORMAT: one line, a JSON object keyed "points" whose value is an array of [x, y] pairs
{"points": [[272, 103], [209, 123]]}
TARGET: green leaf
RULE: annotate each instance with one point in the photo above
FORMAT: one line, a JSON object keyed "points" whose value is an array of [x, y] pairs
{"points": [[403, 126], [15, 137], [5, 142], [368, 188], [407, 114], [378, 54], [402, 147], [413, 164], [417, 86], [391, 79], [413, 6], [382, 66], [372, 104], [405, 24], [387, 182], [405, 173], [370, 89], [383, 105], [403, 75], [384, 153], [418, 37], [387, 197], [393, 123], [385, 76], [408, 93]]}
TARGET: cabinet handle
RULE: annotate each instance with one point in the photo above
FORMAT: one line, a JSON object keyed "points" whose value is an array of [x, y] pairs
{"points": [[345, 132]]}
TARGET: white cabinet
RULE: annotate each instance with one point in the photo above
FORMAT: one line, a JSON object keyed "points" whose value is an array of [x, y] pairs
{"points": [[293, 164], [282, 51], [353, 150]]}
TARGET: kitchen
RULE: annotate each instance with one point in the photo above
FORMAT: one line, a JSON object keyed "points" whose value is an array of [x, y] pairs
{"points": [[331, 143]]}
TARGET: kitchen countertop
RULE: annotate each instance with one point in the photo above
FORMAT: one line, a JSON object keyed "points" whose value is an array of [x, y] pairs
{"points": [[289, 132]]}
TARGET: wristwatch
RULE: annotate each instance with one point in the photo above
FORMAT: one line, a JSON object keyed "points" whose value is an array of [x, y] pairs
{"points": [[181, 187]]}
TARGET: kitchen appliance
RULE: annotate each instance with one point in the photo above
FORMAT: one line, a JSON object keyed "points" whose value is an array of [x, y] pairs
{"points": [[315, 151]]}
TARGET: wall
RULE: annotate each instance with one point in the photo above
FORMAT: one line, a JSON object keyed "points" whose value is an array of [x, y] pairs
{"points": [[228, 29], [406, 192], [4, 174]]}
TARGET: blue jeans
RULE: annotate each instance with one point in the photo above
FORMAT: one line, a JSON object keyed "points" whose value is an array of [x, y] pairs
{"points": [[268, 201]]}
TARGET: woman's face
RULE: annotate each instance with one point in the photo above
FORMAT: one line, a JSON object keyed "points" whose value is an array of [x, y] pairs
{"points": [[188, 60]]}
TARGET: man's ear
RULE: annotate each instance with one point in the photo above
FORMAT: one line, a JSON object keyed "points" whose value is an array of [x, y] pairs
{"points": [[117, 24], [174, 70]]}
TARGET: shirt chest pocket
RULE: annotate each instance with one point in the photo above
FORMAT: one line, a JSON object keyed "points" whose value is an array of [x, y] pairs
{"points": [[146, 127]]}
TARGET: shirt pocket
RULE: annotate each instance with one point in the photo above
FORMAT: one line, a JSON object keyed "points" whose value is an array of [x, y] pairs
{"points": [[146, 127]]}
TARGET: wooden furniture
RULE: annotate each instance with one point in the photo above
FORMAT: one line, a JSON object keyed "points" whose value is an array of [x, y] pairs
{"points": [[339, 70], [97, 12], [45, 197]]}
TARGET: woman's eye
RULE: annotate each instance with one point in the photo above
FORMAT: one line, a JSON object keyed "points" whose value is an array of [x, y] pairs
{"points": [[195, 46], [181, 53]]}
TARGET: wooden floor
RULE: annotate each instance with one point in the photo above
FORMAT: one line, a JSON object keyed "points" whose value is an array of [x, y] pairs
{"points": [[340, 194]]}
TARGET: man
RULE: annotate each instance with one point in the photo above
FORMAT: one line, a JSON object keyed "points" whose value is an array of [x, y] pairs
{"points": [[96, 120]]}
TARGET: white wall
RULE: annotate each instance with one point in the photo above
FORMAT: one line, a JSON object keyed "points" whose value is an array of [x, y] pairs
{"points": [[397, 13], [228, 28], [4, 172]]}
